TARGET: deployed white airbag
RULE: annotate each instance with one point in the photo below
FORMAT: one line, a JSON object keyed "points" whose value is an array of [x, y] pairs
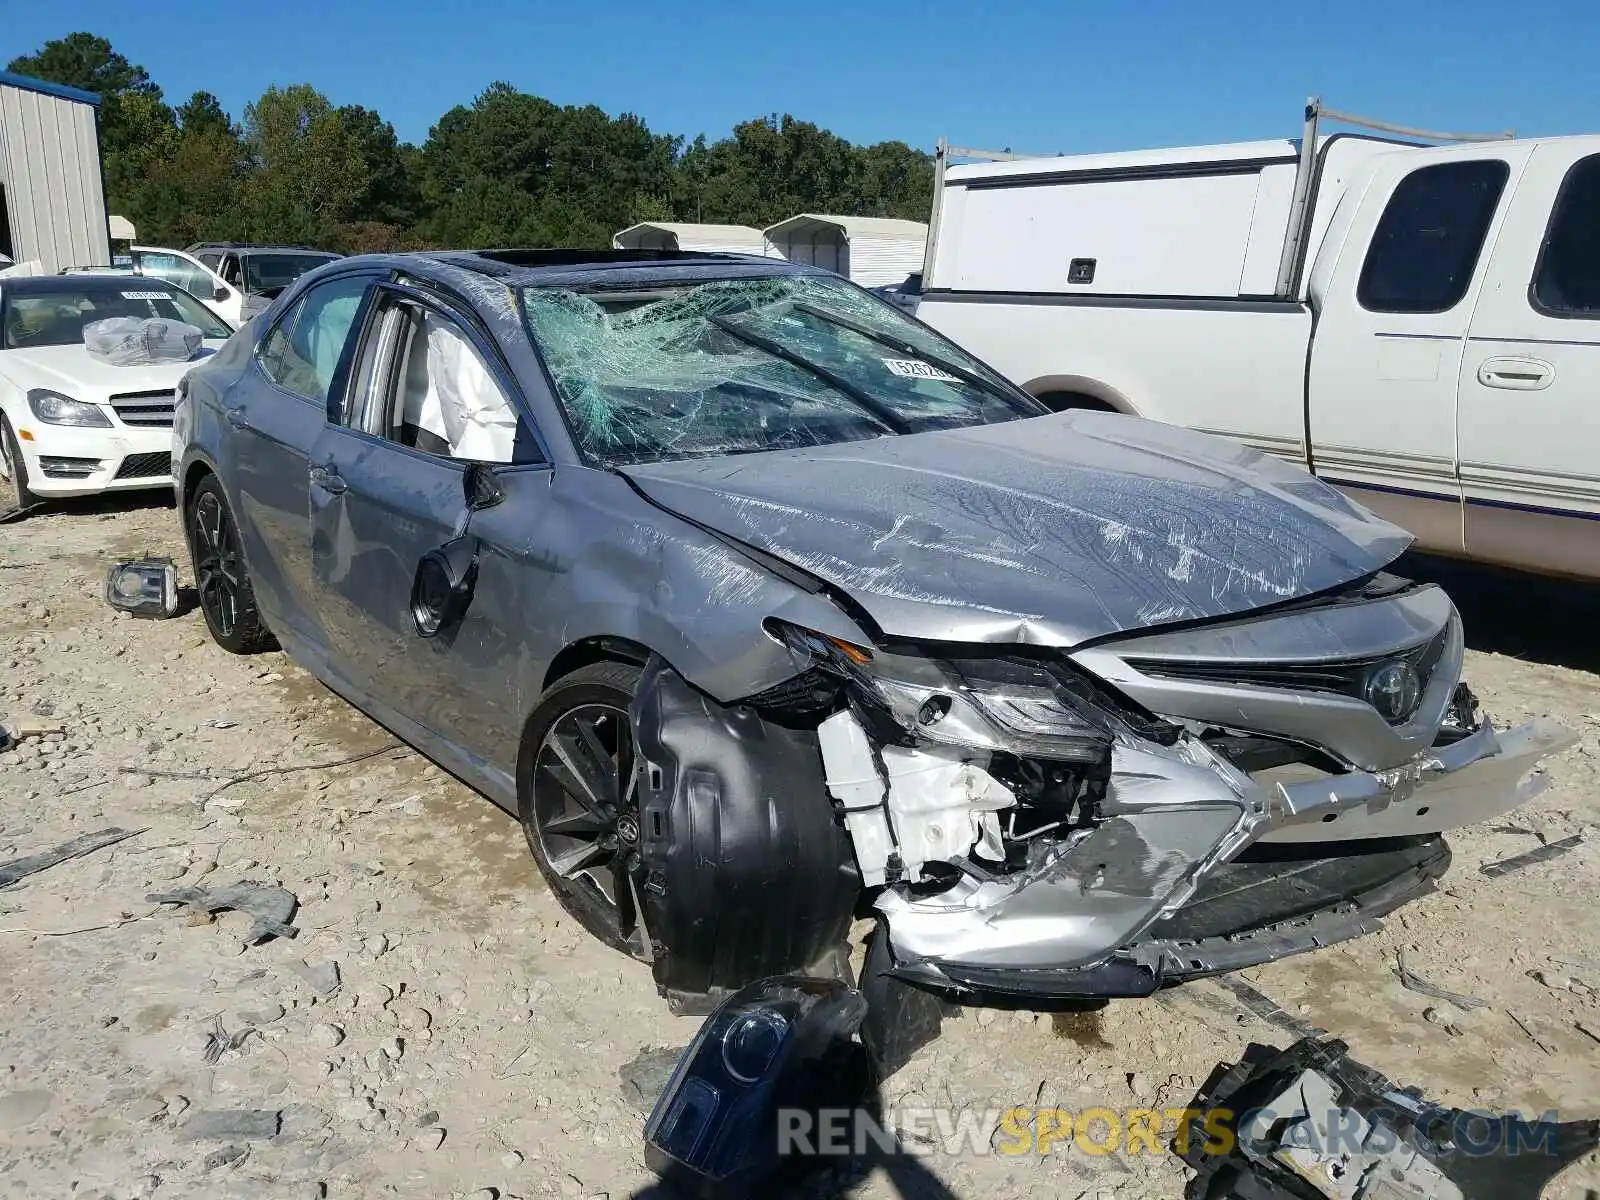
{"points": [[462, 404]]}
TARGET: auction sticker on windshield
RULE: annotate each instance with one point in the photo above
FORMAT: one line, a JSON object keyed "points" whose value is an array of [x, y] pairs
{"points": [[911, 368], [144, 295]]}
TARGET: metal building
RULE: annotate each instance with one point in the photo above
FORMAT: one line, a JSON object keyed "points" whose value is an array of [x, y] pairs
{"points": [[871, 251], [718, 239], [52, 196]]}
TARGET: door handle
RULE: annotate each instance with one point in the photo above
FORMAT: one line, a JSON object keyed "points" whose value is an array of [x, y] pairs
{"points": [[1517, 374], [329, 480], [237, 417]]}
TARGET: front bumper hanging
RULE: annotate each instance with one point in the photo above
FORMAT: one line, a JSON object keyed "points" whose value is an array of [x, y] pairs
{"points": [[1119, 911]]}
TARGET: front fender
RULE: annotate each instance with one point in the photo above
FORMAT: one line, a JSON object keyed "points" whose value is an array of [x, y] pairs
{"points": [[594, 559]]}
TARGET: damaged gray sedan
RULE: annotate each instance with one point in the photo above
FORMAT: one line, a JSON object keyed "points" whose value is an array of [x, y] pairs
{"points": [[763, 607]]}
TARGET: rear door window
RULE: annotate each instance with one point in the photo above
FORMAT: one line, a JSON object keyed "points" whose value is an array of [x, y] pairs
{"points": [[1566, 281], [303, 351], [1426, 245]]}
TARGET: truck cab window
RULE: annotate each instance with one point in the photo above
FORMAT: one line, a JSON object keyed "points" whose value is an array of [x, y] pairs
{"points": [[1427, 242], [1566, 283]]}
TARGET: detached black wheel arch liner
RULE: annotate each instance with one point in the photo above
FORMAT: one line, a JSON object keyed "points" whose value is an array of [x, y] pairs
{"points": [[746, 870]]}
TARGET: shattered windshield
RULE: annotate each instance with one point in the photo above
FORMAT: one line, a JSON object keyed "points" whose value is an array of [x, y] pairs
{"points": [[738, 366]]}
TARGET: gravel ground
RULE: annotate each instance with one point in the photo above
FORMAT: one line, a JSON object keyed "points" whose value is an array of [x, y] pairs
{"points": [[477, 1041]]}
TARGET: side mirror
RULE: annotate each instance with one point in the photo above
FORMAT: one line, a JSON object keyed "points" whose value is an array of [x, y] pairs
{"points": [[220, 293], [442, 589], [482, 487]]}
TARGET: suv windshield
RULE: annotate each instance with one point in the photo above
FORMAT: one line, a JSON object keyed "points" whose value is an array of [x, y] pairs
{"points": [[55, 316], [274, 272], [738, 366]]}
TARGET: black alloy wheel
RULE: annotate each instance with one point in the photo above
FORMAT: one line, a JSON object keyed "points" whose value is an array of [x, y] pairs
{"points": [[226, 598], [579, 801]]}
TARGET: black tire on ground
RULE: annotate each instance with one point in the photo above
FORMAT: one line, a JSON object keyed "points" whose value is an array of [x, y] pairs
{"points": [[221, 578], [577, 796], [1062, 401], [17, 494]]}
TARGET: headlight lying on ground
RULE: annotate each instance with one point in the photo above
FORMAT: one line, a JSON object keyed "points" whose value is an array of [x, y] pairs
{"points": [[147, 587], [775, 1050], [985, 703], [55, 409]]}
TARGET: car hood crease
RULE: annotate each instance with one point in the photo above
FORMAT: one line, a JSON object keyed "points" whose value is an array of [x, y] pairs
{"points": [[1052, 531]]}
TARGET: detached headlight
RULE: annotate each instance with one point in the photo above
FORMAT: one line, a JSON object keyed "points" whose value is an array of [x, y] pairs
{"points": [[993, 704], [55, 409]]}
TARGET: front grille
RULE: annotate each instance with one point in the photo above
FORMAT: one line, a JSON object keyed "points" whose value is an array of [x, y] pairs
{"points": [[1346, 677], [145, 408], [68, 468], [155, 464]]}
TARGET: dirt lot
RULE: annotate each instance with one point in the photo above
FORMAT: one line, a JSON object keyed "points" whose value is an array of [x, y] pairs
{"points": [[474, 1043]]}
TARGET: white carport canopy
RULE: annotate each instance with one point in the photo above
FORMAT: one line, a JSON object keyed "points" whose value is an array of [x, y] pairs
{"points": [[871, 251], [712, 239]]}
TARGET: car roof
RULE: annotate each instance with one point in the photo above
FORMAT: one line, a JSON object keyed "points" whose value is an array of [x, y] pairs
{"points": [[44, 285], [282, 250], [266, 246], [595, 268]]}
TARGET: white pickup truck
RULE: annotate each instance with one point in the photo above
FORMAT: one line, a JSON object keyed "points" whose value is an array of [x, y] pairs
{"points": [[1418, 324]]}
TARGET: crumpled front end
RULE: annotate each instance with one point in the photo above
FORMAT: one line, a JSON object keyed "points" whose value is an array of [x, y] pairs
{"points": [[1159, 807]]}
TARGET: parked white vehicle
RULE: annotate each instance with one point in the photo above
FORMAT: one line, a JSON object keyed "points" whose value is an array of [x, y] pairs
{"points": [[1415, 323], [194, 277], [72, 423]]}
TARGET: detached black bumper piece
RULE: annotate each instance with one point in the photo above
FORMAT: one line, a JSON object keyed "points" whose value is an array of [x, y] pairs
{"points": [[1308, 1123]]}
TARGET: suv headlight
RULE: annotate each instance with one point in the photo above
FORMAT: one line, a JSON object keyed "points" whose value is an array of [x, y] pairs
{"points": [[55, 409], [1002, 704]]}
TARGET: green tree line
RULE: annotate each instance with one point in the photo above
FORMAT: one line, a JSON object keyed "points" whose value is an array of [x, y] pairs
{"points": [[509, 169]]}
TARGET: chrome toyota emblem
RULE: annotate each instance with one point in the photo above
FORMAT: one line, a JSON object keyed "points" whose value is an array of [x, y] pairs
{"points": [[1394, 689]]}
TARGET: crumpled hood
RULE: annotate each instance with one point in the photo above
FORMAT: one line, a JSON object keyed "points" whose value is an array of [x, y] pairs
{"points": [[1052, 530], [73, 371]]}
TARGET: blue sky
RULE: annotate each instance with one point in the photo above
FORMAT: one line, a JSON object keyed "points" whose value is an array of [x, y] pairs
{"points": [[1031, 74]]}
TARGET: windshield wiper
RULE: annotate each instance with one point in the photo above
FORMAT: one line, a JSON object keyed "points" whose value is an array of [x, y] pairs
{"points": [[862, 397], [905, 347]]}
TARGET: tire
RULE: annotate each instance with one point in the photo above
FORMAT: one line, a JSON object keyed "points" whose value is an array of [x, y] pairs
{"points": [[588, 863], [221, 577], [17, 494]]}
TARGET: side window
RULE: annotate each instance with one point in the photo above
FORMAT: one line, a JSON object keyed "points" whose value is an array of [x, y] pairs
{"points": [[427, 387], [176, 270], [1427, 242], [230, 270], [1566, 283], [210, 258], [302, 352]]}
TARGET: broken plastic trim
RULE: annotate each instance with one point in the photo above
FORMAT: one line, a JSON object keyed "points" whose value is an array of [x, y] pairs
{"points": [[1285, 1125]]}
